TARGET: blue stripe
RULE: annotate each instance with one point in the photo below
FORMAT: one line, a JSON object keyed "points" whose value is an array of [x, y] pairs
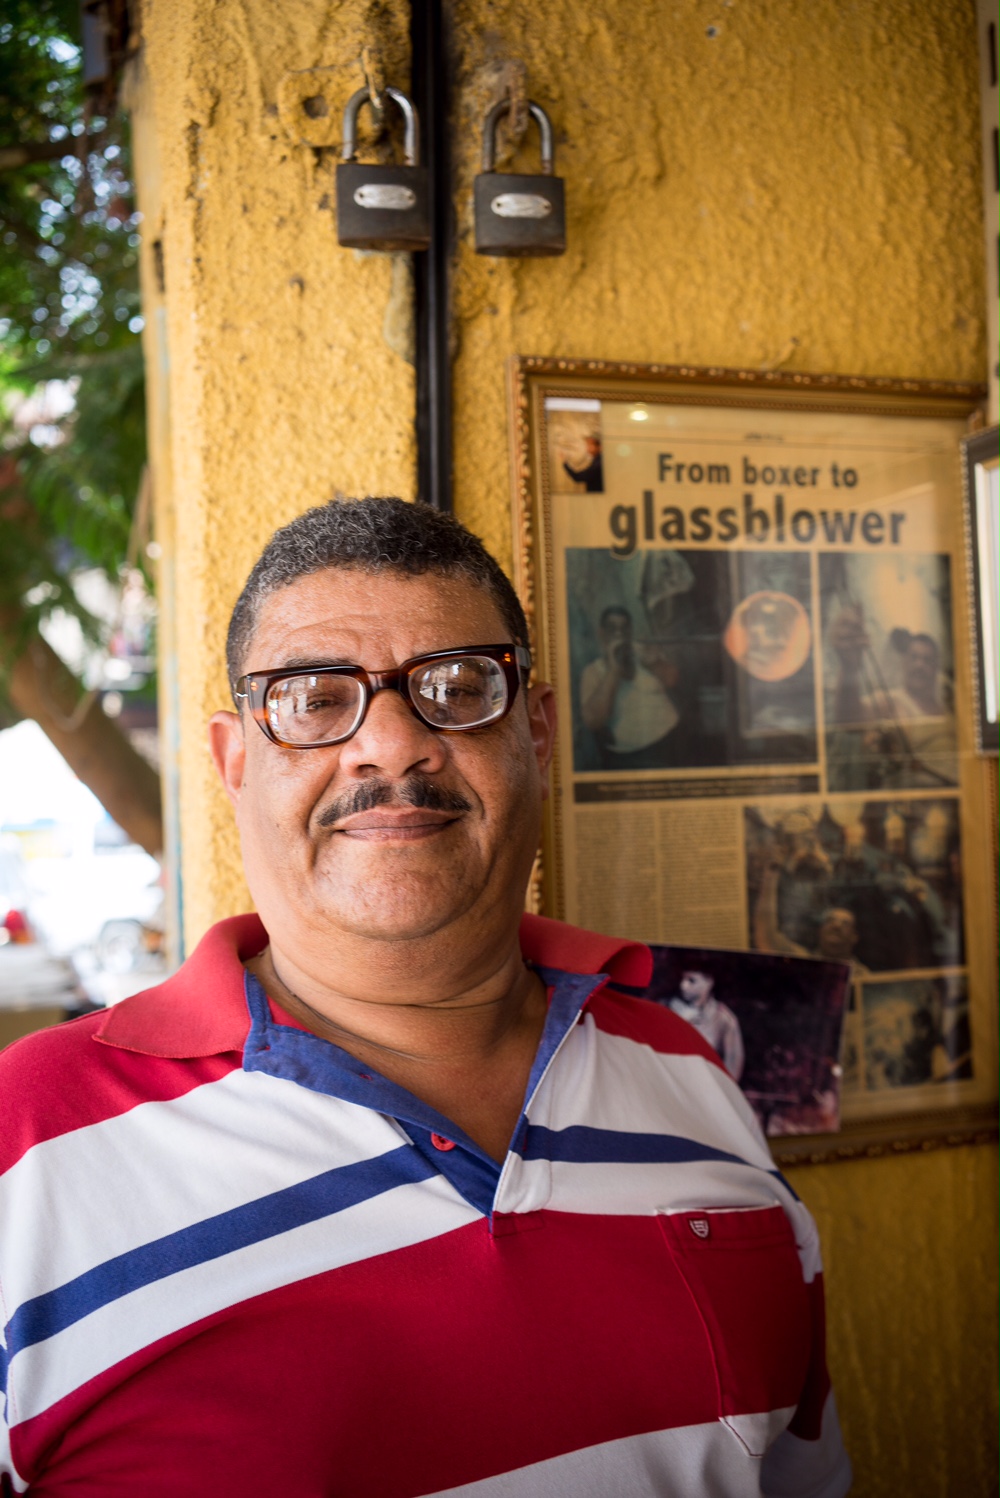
{"points": [[307, 1201], [586, 1146], [3, 1370]]}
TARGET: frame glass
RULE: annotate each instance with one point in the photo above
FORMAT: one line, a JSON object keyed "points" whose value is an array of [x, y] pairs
{"points": [[755, 628], [981, 475]]}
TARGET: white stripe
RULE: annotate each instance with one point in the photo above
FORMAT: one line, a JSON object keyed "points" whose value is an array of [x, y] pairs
{"points": [[613, 1190], [692, 1461], [794, 1468], [107, 1188], [610, 1082], [758, 1432], [396, 1219]]}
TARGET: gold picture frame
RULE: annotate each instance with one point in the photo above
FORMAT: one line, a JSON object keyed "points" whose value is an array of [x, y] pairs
{"points": [[748, 591]]}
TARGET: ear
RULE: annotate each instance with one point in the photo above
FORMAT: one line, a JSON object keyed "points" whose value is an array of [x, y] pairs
{"points": [[542, 724], [228, 749]]}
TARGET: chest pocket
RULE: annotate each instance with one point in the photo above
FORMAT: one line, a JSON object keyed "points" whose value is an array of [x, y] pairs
{"points": [[742, 1270]]}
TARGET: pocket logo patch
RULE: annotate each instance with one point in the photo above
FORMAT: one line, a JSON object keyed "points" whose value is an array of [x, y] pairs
{"points": [[699, 1226]]}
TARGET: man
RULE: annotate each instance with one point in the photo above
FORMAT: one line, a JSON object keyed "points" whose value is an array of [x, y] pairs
{"points": [[912, 739], [591, 475], [713, 1020], [836, 934], [391, 1191], [624, 703]]}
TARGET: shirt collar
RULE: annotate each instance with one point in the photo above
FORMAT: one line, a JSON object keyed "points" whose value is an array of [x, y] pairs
{"points": [[201, 1010]]}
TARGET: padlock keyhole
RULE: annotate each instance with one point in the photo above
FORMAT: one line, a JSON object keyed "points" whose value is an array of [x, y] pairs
{"points": [[315, 107]]}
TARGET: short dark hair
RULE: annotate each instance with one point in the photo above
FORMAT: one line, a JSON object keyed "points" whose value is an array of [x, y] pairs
{"points": [[368, 535], [612, 611], [924, 639], [698, 970]]}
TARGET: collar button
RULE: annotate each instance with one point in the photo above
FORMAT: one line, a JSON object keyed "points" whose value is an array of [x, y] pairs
{"points": [[441, 1143]]}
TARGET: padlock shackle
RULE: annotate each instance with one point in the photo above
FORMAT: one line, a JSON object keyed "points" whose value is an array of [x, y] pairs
{"points": [[544, 129], [411, 121]]}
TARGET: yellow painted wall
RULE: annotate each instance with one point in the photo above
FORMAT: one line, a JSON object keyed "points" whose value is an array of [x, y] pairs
{"points": [[278, 362], [750, 182]]}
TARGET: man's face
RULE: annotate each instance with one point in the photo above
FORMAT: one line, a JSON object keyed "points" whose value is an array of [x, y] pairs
{"points": [[920, 668], [838, 936], [395, 871], [696, 988], [617, 630]]}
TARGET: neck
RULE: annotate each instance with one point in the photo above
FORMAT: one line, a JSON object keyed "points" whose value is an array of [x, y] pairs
{"points": [[411, 1011], [927, 700]]}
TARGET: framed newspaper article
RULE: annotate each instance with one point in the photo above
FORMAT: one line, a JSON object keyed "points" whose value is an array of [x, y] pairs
{"points": [[749, 593]]}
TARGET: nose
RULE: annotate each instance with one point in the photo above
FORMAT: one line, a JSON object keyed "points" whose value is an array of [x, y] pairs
{"points": [[392, 741]]}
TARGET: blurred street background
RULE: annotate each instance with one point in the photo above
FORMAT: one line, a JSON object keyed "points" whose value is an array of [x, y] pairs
{"points": [[81, 890]]}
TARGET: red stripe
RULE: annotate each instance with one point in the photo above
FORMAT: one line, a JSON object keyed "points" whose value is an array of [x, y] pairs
{"points": [[745, 1279], [454, 1360], [808, 1419], [651, 1024], [59, 1080]]}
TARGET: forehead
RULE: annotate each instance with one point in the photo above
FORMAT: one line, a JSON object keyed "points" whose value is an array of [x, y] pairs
{"points": [[372, 619]]}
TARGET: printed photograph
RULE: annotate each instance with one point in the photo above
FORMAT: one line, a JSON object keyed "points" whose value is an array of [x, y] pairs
{"points": [[916, 1030], [576, 458], [874, 883], [888, 672], [775, 1023], [690, 659]]}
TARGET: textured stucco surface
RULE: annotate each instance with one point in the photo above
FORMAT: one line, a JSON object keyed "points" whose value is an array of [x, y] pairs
{"points": [[750, 182], [910, 1258], [283, 386]]}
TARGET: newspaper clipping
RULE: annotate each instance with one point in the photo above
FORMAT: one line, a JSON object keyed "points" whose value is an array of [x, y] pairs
{"points": [[752, 630]]}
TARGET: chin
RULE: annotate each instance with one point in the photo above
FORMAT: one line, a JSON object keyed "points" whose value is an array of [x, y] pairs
{"points": [[401, 908]]}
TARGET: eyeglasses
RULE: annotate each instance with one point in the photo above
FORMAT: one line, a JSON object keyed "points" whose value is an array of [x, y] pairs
{"points": [[454, 690]]}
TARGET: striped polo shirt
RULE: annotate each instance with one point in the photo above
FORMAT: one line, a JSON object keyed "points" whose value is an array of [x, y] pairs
{"points": [[236, 1261]]}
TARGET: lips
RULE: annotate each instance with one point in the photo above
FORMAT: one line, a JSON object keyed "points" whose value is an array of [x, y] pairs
{"points": [[404, 824]]}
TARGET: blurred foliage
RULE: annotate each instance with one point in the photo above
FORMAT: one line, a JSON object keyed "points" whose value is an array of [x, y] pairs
{"points": [[69, 313]]}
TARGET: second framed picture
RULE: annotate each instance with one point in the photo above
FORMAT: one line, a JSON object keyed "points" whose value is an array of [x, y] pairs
{"points": [[748, 591]]}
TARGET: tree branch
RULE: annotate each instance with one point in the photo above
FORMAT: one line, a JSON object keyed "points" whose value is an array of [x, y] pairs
{"points": [[27, 152], [41, 687]]}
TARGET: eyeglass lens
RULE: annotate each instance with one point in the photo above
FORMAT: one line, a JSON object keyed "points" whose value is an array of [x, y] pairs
{"points": [[314, 708], [322, 707]]}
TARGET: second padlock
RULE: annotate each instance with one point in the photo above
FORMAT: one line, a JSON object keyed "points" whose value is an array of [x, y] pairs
{"points": [[382, 207], [518, 213]]}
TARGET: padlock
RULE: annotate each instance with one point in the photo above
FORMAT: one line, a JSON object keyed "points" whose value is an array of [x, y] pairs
{"points": [[519, 214], [382, 207]]}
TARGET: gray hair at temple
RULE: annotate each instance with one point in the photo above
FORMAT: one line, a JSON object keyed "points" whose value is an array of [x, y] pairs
{"points": [[368, 535]]}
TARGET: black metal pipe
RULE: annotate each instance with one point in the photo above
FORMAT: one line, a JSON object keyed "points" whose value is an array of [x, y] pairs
{"points": [[429, 84]]}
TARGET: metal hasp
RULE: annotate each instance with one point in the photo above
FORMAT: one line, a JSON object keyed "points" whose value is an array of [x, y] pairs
{"points": [[519, 214], [382, 207]]}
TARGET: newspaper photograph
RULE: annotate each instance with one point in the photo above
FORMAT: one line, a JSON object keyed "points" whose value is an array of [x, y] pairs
{"points": [[751, 616]]}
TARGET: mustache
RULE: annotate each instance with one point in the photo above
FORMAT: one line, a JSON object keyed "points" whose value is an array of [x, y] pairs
{"points": [[414, 790]]}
